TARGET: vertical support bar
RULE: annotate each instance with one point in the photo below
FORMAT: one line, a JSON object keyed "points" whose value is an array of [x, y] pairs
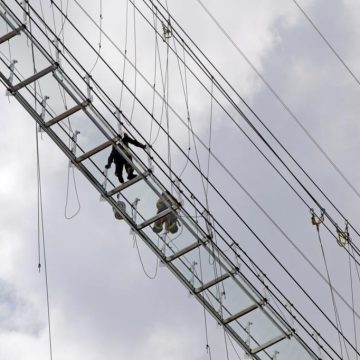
{"points": [[25, 17], [89, 88], [11, 77], [248, 339], [74, 146], [134, 211], [104, 184], [119, 123]]}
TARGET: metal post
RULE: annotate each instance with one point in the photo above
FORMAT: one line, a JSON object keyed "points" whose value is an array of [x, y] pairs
{"points": [[134, 211], [262, 278], [178, 191], [150, 164], [206, 216], [248, 338], [89, 88], [192, 279], [11, 77], [163, 250], [119, 124], [74, 145], [25, 17], [316, 338]]}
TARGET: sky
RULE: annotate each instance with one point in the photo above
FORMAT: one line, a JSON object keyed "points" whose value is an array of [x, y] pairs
{"points": [[102, 303]]}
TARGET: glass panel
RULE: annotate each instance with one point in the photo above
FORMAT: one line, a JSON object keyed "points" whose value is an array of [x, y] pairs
{"points": [[262, 329], [146, 199], [286, 349], [182, 234], [235, 299], [203, 267]]}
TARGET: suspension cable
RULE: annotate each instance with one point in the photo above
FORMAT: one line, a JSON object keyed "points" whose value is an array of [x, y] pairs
{"points": [[281, 101], [257, 117], [331, 47], [40, 211]]}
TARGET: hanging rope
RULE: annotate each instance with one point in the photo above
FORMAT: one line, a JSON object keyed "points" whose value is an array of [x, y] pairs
{"points": [[317, 222], [40, 211], [151, 277], [135, 64], [353, 304], [100, 37], [164, 81], [209, 143], [67, 216], [184, 85], [125, 53]]}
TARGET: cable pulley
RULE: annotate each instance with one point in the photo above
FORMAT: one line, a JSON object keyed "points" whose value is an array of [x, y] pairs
{"points": [[343, 237], [167, 31], [315, 220]]}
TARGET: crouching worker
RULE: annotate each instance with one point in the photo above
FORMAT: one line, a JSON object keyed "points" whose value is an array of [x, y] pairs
{"points": [[119, 160], [170, 220]]}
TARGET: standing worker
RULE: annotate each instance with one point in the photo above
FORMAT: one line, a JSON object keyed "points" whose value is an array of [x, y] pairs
{"points": [[119, 160]]}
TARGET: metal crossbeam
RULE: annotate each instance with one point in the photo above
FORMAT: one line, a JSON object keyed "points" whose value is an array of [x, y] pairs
{"points": [[213, 282], [11, 34], [66, 114], [269, 343], [127, 184], [183, 251], [14, 89], [154, 218], [95, 150], [241, 313]]}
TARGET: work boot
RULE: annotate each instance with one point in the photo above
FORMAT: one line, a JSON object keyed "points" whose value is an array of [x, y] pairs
{"points": [[131, 176]]}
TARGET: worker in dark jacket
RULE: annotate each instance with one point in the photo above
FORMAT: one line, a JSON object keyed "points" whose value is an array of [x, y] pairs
{"points": [[119, 160]]}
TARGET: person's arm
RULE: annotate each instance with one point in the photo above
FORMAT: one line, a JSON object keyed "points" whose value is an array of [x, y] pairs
{"points": [[128, 140]]}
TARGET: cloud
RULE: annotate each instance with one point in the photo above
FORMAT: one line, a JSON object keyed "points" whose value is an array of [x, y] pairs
{"points": [[102, 304]]}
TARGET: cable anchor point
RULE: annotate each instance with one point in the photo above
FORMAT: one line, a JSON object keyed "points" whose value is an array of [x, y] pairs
{"points": [[316, 220], [167, 31], [11, 76], [343, 237]]}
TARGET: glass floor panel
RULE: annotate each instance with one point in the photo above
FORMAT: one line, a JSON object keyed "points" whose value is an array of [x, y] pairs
{"points": [[234, 298], [202, 268], [287, 349], [262, 329], [145, 199], [186, 234]]}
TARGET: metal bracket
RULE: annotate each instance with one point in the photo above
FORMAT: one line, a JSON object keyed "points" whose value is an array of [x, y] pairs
{"points": [[43, 112], [119, 124], [206, 216], [25, 17], [104, 184], [134, 212], [73, 146], [167, 31], [89, 88], [248, 338], [11, 77]]}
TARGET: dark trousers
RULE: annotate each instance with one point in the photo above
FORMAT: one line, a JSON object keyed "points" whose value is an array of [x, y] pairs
{"points": [[119, 166]]}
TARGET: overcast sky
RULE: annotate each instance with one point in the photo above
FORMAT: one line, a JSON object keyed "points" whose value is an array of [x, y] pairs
{"points": [[102, 304]]}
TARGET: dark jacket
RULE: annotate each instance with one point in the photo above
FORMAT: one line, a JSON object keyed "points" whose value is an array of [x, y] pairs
{"points": [[115, 156]]}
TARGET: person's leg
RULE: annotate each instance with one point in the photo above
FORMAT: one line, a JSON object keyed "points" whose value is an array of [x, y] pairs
{"points": [[118, 171], [158, 226], [129, 169], [171, 223]]}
